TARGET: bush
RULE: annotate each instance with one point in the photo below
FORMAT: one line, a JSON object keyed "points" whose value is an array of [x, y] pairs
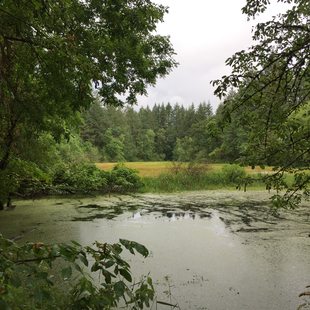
{"points": [[83, 177], [233, 174], [29, 280], [122, 179], [22, 178], [184, 177], [191, 168], [88, 178]]}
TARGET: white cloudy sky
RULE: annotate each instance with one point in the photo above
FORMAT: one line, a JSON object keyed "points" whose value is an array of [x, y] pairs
{"points": [[204, 34]]}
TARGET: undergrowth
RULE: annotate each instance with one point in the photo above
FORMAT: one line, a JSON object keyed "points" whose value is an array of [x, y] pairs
{"points": [[197, 177]]}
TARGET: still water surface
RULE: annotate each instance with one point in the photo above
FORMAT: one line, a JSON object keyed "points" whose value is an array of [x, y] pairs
{"points": [[209, 250]]}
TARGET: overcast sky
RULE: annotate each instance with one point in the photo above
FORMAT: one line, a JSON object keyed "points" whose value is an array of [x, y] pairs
{"points": [[204, 34]]}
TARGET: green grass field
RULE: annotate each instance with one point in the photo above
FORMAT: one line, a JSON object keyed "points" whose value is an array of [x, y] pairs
{"points": [[145, 169], [157, 168], [174, 177]]}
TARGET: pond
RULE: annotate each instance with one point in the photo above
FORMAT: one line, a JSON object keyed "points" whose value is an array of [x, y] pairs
{"points": [[209, 250]]}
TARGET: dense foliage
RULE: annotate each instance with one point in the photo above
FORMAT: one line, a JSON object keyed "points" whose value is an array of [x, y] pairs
{"points": [[179, 133], [272, 90], [62, 168], [195, 176], [87, 178], [57, 56], [163, 132], [70, 276]]}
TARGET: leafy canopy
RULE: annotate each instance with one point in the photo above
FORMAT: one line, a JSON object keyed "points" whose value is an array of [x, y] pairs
{"points": [[271, 81], [282, 51], [56, 56]]}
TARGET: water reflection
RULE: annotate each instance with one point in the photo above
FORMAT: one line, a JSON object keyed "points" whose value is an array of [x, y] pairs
{"points": [[227, 256], [172, 215], [93, 211], [209, 264], [218, 226], [111, 214], [136, 215]]}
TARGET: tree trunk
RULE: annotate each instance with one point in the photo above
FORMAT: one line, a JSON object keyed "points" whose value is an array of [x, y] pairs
{"points": [[4, 161], [9, 202]]}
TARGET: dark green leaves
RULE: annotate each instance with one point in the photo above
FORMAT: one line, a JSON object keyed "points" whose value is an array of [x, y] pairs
{"points": [[271, 94], [87, 178], [83, 259], [53, 53], [119, 288], [109, 264], [28, 276], [131, 246], [125, 274]]}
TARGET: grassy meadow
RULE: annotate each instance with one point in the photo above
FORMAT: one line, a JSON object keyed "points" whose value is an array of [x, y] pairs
{"points": [[173, 177], [157, 168], [145, 169]]}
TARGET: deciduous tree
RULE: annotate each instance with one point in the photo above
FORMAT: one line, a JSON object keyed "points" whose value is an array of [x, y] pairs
{"points": [[53, 54], [272, 79], [56, 56]]}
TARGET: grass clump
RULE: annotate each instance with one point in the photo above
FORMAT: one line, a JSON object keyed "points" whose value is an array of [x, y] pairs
{"points": [[191, 177]]}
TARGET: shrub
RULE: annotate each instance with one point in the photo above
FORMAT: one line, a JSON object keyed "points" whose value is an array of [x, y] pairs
{"points": [[195, 176], [196, 169], [233, 174], [29, 280], [122, 179], [83, 177], [191, 168], [23, 178], [88, 178]]}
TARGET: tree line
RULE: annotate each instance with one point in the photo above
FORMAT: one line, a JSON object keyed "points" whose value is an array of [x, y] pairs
{"points": [[163, 132], [52, 56], [147, 134], [193, 133]]}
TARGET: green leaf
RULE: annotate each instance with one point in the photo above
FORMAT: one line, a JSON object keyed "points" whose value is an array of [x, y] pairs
{"points": [[140, 248], [66, 272], [95, 267], [150, 282], [125, 243], [108, 276], [109, 263], [117, 249], [75, 243], [125, 274], [128, 245], [119, 288], [131, 245], [78, 268], [83, 259]]}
